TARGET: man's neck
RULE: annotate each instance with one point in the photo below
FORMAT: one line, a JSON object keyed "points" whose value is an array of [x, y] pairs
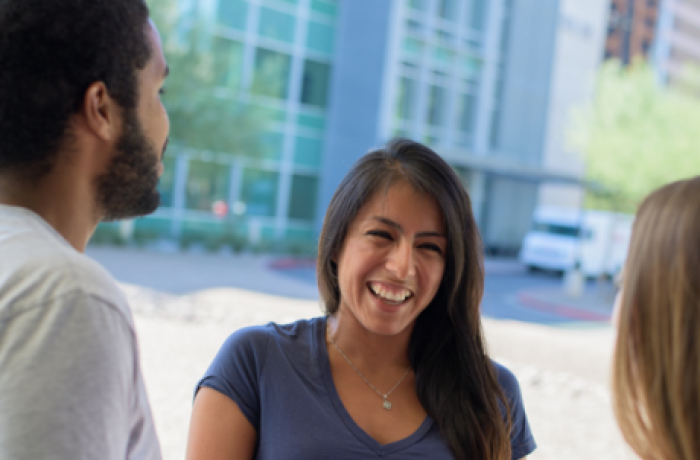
{"points": [[64, 202]]}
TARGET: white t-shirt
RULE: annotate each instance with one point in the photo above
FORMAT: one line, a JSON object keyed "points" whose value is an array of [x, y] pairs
{"points": [[70, 380]]}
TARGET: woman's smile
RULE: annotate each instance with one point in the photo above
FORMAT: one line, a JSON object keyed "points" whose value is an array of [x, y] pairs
{"points": [[390, 294]]}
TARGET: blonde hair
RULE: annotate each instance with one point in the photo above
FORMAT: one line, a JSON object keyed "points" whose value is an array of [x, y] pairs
{"points": [[656, 366]]}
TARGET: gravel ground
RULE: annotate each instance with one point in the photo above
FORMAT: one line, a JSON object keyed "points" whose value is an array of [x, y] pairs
{"points": [[563, 372]]}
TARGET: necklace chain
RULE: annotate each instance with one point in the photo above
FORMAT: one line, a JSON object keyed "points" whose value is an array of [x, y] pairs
{"points": [[386, 404]]}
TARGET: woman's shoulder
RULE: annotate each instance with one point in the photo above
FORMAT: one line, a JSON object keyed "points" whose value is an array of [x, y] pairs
{"points": [[507, 380], [260, 335]]}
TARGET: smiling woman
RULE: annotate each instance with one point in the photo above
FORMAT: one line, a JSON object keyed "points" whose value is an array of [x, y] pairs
{"points": [[398, 364]]}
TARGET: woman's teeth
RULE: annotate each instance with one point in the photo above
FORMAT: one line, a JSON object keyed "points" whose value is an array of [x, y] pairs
{"points": [[399, 296]]}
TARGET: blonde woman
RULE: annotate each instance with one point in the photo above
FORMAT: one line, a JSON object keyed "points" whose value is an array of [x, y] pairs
{"points": [[656, 370]]}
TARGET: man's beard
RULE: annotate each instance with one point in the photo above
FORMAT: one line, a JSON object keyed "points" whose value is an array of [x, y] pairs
{"points": [[129, 187]]}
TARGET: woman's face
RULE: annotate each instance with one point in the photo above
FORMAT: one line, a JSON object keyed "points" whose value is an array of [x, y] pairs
{"points": [[392, 260]]}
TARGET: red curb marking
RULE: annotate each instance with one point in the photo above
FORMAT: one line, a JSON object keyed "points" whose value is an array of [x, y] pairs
{"points": [[285, 264], [561, 310]]}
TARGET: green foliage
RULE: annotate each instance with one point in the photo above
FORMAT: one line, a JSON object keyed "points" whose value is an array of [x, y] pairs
{"points": [[637, 136], [206, 107]]}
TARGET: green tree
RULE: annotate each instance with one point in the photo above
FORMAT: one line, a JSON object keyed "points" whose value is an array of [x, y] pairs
{"points": [[207, 109], [637, 135]]}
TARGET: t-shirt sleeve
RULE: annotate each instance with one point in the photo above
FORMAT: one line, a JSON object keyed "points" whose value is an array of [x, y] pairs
{"points": [[69, 371], [521, 439], [236, 370]]}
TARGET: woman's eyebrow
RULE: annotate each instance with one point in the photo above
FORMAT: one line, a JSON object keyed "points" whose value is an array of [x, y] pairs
{"points": [[398, 227]]}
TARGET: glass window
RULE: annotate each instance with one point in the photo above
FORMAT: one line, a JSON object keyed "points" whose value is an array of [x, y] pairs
{"points": [[328, 7], [505, 35], [308, 151], [167, 181], [228, 62], [277, 25], [443, 55], [446, 9], [314, 86], [436, 105], [557, 229], [495, 132], [272, 145], [406, 98], [267, 113], [444, 36], [206, 183], [471, 66], [477, 16], [232, 13], [271, 73], [414, 26], [398, 132], [259, 192], [413, 47], [311, 121], [302, 200], [320, 37], [416, 4], [466, 113], [409, 68]]}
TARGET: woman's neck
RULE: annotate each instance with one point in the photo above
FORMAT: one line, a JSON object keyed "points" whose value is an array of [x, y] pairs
{"points": [[365, 348]]}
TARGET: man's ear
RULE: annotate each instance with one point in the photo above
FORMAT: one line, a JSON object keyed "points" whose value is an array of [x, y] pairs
{"points": [[101, 112]]}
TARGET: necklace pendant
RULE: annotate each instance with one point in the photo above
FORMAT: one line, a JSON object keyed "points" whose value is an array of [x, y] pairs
{"points": [[387, 404]]}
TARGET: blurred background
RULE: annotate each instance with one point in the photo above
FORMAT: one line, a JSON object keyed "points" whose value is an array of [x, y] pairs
{"points": [[536, 103], [558, 115]]}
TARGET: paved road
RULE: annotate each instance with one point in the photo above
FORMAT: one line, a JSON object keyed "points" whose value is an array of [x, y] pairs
{"points": [[183, 273], [505, 281]]}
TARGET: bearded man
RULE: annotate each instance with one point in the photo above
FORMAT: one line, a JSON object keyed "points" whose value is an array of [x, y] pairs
{"points": [[82, 135]]}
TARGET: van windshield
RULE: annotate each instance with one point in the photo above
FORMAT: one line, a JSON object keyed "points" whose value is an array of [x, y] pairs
{"points": [[557, 229]]}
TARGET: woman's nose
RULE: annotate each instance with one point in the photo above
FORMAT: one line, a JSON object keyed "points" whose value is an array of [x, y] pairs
{"points": [[401, 261]]}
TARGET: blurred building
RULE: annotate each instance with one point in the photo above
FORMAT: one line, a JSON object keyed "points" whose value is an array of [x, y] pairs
{"points": [[489, 84], [631, 29], [678, 41]]}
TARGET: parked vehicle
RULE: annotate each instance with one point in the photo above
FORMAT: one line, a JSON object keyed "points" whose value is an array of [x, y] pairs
{"points": [[560, 239]]}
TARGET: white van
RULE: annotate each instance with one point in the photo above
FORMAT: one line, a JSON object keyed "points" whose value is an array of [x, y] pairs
{"points": [[560, 238]]}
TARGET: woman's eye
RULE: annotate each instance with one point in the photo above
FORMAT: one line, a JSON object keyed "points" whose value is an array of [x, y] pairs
{"points": [[380, 234], [161, 91], [432, 247]]}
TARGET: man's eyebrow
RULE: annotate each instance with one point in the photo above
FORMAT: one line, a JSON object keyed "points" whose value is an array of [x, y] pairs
{"points": [[398, 227]]}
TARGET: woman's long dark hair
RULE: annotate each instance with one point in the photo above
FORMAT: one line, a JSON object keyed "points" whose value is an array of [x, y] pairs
{"points": [[455, 379]]}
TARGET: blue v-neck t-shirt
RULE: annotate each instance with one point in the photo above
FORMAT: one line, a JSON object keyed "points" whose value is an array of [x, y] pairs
{"points": [[280, 378]]}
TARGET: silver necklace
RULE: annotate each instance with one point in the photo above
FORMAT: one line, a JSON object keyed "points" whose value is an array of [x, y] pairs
{"points": [[387, 404]]}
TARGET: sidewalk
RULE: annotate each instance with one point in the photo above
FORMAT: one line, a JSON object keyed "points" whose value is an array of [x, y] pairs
{"points": [[194, 301]]}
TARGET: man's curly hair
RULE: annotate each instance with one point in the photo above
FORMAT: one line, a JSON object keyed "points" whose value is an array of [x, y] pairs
{"points": [[51, 51]]}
